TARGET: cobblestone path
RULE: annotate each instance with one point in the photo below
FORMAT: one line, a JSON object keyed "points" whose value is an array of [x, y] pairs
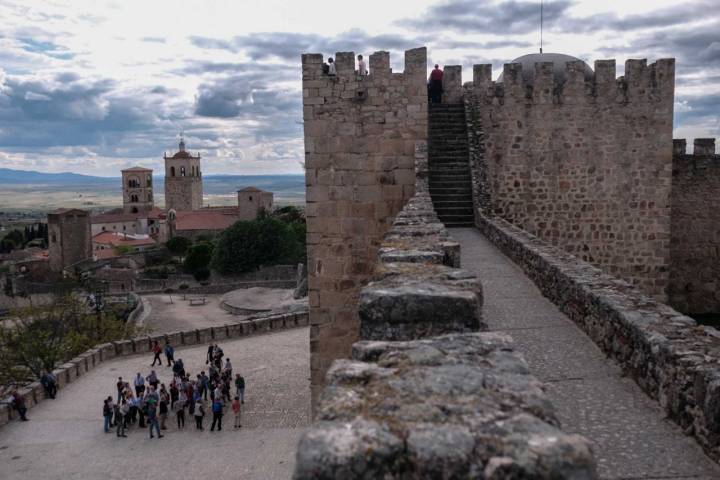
{"points": [[64, 437], [631, 438]]}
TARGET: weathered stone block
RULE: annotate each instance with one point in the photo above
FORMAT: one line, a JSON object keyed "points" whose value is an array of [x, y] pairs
{"points": [[426, 424], [107, 351], [404, 307]]}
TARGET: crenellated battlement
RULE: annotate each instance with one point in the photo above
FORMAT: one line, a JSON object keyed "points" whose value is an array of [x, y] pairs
{"points": [[378, 67], [641, 82], [702, 147]]}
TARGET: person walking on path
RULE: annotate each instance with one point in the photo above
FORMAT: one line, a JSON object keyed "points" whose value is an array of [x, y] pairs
{"points": [[169, 354], [199, 414], [107, 414], [139, 384], [49, 383], [217, 411], [240, 387], [236, 408], [435, 85], [156, 351]]}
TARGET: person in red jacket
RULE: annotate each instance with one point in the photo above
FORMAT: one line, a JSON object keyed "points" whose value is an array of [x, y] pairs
{"points": [[435, 88]]}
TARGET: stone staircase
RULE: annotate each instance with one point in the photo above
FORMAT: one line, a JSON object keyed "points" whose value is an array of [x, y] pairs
{"points": [[448, 159]]}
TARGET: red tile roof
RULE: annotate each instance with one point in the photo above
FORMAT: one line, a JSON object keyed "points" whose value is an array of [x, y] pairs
{"points": [[117, 239], [204, 220]]}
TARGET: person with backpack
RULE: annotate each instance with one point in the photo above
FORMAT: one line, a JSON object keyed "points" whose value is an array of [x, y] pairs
{"points": [[152, 400], [199, 414], [107, 413], [240, 387], [49, 383], [217, 411], [156, 351], [169, 354]]}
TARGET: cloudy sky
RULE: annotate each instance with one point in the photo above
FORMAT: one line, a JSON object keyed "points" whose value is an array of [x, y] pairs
{"points": [[94, 86]]}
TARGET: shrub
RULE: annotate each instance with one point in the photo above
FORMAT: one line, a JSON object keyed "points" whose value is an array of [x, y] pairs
{"points": [[178, 245], [197, 262]]}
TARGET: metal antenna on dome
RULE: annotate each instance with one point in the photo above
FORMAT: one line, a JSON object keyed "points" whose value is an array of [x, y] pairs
{"points": [[541, 25]]}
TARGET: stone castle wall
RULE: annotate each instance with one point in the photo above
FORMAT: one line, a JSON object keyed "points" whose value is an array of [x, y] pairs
{"points": [[585, 165], [360, 140], [695, 229]]}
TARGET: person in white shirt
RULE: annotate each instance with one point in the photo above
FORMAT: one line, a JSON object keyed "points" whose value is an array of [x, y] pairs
{"points": [[362, 68], [331, 67]]}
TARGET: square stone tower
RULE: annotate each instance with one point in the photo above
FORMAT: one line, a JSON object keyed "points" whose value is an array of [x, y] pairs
{"points": [[361, 135], [69, 238], [252, 200], [183, 181], [137, 190]]}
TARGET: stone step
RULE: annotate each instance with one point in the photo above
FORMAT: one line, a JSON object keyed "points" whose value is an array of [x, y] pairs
{"points": [[440, 192], [446, 166], [442, 203]]}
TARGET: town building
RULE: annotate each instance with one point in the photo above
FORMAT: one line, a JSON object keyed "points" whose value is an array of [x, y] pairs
{"points": [[183, 180], [137, 190], [113, 244], [69, 240], [252, 201]]}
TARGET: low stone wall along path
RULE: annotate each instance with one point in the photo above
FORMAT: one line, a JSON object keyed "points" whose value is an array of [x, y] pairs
{"points": [[630, 437]]}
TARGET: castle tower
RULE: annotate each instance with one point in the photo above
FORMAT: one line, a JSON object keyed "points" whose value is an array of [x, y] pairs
{"points": [[69, 240], [137, 190], [183, 181]]}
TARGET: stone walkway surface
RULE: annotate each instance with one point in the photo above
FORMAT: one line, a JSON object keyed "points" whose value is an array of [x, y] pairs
{"points": [[64, 437], [161, 315], [631, 438]]}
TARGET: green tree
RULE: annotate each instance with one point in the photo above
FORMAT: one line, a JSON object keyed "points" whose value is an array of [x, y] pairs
{"points": [[178, 246], [197, 261], [16, 236], [247, 245], [40, 338], [7, 245]]}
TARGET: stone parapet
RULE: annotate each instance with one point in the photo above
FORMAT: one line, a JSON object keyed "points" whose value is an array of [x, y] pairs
{"points": [[671, 358], [454, 406], [417, 290], [92, 358]]}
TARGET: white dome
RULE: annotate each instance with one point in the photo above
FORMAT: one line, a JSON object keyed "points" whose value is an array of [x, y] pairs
{"points": [[558, 60]]}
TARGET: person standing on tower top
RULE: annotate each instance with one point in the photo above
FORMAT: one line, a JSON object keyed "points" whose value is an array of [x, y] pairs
{"points": [[362, 67], [435, 88]]}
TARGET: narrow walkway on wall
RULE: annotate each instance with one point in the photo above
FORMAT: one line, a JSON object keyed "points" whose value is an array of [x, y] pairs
{"points": [[630, 436]]}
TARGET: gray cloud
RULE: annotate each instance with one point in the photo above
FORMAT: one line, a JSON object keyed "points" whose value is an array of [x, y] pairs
{"points": [[511, 17]]}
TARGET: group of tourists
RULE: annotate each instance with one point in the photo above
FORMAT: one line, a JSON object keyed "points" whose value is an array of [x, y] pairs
{"points": [[148, 402]]}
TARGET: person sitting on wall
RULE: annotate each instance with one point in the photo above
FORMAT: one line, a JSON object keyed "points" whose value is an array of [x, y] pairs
{"points": [[18, 403], [362, 67], [435, 88]]}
